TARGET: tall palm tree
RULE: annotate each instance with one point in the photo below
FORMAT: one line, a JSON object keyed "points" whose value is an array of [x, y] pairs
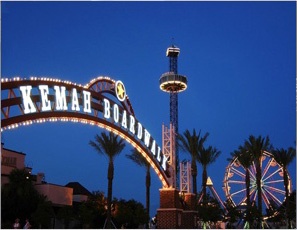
{"points": [[192, 144], [245, 159], [136, 157], [256, 147], [284, 158], [205, 157], [108, 145]]}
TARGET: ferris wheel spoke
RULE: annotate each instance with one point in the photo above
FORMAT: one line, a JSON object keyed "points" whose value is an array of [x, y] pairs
{"points": [[266, 200], [253, 177], [253, 183], [275, 189], [255, 195], [273, 197], [238, 172], [236, 181], [274, 181], [266, 168], [242, 190], [253, 170], [276, 171], [253, 189], [244, 199]]}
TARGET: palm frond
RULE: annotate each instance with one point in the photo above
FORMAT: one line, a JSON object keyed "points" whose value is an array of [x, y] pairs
{"points": [[284, 157], [208, 156], [108, 144], [136, 157], [256, 146], [244, 157], [191, 143]]}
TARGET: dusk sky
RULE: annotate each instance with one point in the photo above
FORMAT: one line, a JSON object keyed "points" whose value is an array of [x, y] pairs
{"points": [[239, 58]]}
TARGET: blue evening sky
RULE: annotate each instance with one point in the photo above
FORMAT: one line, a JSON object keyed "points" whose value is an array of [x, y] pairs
{"points": [[239, 58]]}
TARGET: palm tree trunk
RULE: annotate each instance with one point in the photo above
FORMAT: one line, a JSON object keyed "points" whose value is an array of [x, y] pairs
{"points": [[248, 199], [204, 180], [259, 188], [109, 193], [194, 175], [286, 183], [148, 184]]}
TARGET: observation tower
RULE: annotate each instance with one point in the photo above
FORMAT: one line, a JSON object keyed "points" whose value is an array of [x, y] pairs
{"points": [[173, 83]]}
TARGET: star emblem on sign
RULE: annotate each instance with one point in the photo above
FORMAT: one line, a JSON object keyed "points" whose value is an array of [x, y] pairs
{"points": [[120, 90]]}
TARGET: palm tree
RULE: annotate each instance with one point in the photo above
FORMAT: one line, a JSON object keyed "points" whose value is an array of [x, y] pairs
{"points": [[284, 158], [141, 161], [192, 144], [110, 146], [256, 147], [245, 159], [205, 157]]}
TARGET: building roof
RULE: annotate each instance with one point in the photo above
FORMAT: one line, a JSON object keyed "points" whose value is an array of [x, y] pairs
{"points": [[10, 150], [78, 189]]}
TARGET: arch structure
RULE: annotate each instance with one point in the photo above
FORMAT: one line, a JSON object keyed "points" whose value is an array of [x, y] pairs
{"points": [[102, 102]]}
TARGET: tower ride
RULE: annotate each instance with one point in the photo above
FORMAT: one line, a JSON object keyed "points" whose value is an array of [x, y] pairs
{"points": [[173, 83]]}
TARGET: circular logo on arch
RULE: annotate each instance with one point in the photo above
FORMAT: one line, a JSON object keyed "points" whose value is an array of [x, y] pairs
{"points": [[120, 90]]}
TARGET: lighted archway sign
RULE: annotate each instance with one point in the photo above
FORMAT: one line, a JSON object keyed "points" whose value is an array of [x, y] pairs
{"points": [[102, 102]]}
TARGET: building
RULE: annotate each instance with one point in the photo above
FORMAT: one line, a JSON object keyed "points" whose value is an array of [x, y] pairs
{"points": [[80, 193], [59, 195], [11, 159]]}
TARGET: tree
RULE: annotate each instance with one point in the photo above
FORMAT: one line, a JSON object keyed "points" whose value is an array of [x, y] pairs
{"points": [[291, 206], [210, 210], [256, 147], [19, 198], [129, 214], [66, 214], [110, 146], [136, 157], [205, 157], [284, 158], [43, 214], [92, 212], [192, 144], [245, 159]]}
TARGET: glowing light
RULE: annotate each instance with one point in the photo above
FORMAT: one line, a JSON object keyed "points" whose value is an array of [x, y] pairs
{"points": [[104, 82], [171, 82]]}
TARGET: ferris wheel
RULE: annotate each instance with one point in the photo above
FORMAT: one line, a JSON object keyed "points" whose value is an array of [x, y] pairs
{"points": [[272, 181]]}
